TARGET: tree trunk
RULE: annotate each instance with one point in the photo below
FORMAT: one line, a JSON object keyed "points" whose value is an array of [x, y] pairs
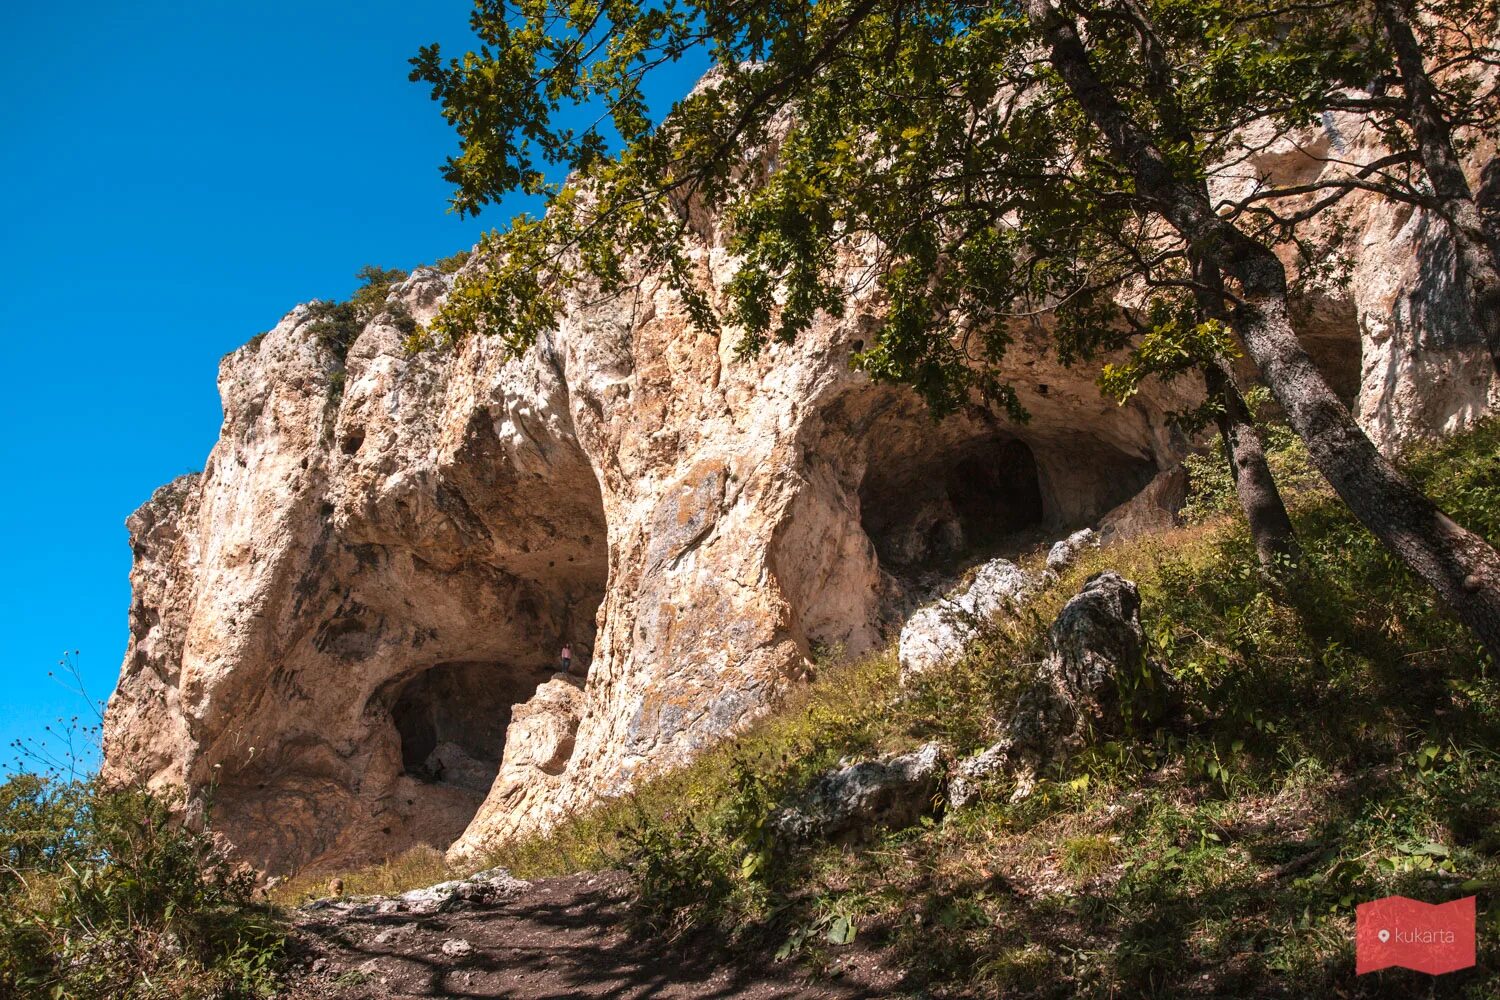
{"points": [[1270, 527], [1478, 250], [1461, 566]]}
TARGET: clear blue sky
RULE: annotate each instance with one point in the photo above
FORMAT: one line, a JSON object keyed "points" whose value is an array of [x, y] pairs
{"points": [[173, 178]]}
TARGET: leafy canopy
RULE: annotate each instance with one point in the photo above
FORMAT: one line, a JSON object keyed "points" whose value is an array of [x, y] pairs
{"points": [[923, 148]]}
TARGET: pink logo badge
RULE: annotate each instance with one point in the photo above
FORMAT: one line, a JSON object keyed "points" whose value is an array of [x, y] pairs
{"points": [[1427, 937]]}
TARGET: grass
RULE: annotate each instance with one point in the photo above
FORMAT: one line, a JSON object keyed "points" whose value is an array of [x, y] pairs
{"points": [[420, 866], [104, 894]]}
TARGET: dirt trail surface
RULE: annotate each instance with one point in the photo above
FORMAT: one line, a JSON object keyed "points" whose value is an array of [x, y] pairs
{"points": [[564, 937]]}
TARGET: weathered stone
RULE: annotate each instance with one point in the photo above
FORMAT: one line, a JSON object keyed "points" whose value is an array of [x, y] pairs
{"points": [[1063, 552], [937, 634], [1154, 508], [856, 799], [973, 773], [1097, 650], [486, 888], [1097, 645]]}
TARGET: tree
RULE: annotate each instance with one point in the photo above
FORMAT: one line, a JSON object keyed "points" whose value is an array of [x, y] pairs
{"points": [[1422, 109], [826, 193], [1297, 61], [1461, 566], [982, 182]]}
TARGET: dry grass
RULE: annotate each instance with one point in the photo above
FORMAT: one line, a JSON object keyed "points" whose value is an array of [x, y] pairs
{"points": [[418, 867]]}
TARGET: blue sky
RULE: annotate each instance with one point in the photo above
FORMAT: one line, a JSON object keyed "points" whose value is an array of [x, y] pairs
{"points": [[173, 178]]}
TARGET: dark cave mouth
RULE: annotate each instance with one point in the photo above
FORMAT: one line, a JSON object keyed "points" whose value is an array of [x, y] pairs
{"points": [[948, 503], [451, 719]]}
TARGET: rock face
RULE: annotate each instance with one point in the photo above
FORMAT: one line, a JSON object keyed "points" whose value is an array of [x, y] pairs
{"points": [[351, 616]]}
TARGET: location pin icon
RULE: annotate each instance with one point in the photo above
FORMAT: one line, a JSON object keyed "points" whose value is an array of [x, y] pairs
{"points": [[1384, 935]]}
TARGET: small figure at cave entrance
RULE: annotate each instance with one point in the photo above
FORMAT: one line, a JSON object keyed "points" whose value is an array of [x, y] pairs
{"points": [[567, 658]]}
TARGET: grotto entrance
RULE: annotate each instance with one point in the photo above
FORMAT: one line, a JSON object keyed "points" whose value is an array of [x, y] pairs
{"points": [[929, 507], [452, 718]]}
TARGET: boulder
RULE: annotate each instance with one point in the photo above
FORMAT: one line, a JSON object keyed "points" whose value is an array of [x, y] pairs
{"points": [[485, 888], [1063, 552], [1155, 508], [890, 791], [1098, 653], [937, 634]]}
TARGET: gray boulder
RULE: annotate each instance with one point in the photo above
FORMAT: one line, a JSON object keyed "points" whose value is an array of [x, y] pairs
{"points": [[1098, 645], [1098, 652], [973, 773], [1063, 552], [890, 791], [937, 634]]}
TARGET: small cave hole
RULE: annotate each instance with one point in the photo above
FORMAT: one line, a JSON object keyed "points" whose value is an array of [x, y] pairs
{"points": [[944, 503], [451, 719], [352, 442]]}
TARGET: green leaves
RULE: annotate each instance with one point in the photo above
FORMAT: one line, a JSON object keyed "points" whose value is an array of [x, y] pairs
{"points": [[922, 155], [106, 889], [1174, 342]]}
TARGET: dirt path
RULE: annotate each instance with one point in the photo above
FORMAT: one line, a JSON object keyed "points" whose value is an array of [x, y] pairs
{"points": [[561, 937]]}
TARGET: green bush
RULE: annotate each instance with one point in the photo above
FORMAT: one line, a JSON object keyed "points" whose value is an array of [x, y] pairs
{"points": [[451, 264], [335, 325], [104, 894]]}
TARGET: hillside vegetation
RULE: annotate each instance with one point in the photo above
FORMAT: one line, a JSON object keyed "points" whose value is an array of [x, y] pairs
{"points": [[104, 894]]}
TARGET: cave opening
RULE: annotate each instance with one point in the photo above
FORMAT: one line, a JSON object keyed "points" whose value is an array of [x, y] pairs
{"points": [[451, 719], [928, 506]]}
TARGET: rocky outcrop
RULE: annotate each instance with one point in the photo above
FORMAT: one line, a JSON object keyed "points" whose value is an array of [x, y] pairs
{"points": [[1096, 678], [1097, 660], [861, 797], [352, 614], [937, 634]]}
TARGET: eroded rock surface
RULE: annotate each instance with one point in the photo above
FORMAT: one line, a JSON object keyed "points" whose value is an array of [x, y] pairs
{"points": [[864, 796], [1096, 672], [937, 634], [347, 624]]}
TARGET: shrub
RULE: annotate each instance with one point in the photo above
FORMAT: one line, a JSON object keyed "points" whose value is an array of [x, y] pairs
{"points": [[335, 325], [104, 894], [451, 264]]}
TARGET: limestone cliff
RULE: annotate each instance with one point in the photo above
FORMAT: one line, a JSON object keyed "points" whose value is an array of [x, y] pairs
{"points": [[344, 629]]}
